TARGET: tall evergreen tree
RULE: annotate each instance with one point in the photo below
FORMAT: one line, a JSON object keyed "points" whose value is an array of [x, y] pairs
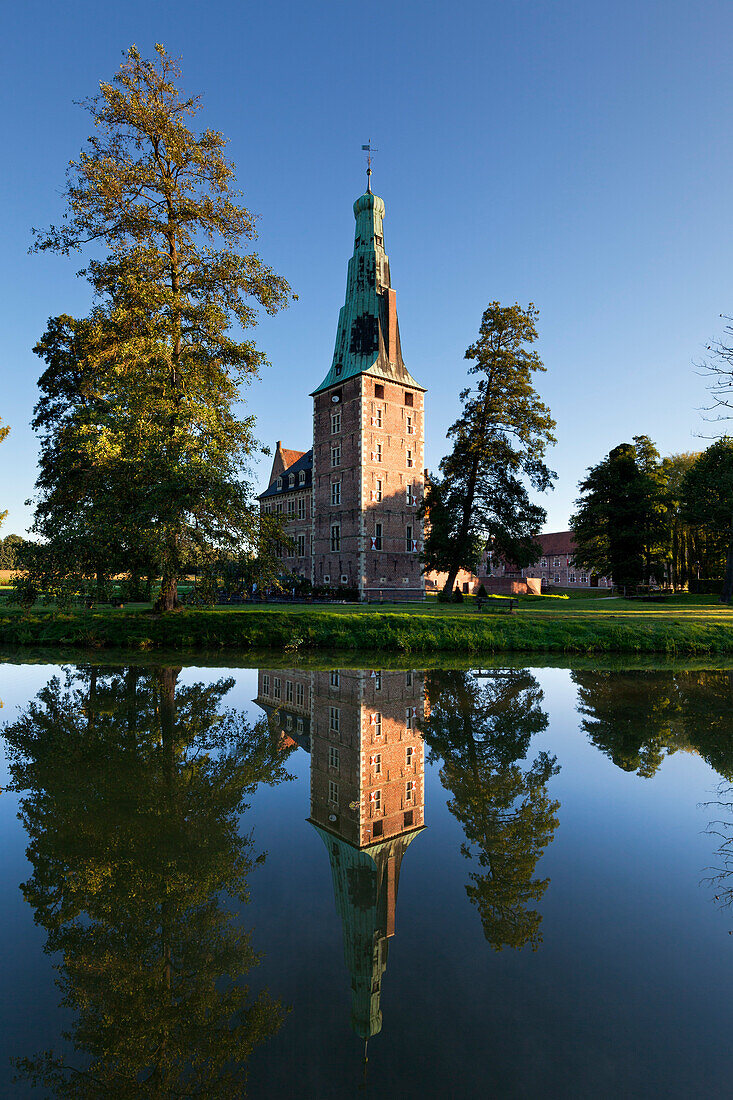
{"points": [[164, 369], [620, 527], [499, 443]]}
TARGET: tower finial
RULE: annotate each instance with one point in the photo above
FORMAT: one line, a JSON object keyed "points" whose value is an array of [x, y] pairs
{"points": [[369, 149]]}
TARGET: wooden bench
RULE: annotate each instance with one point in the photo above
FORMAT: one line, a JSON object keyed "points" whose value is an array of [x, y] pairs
{"points": [[498, 607]]}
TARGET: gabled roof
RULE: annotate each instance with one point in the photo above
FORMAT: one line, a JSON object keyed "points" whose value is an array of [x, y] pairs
{"points": [[305, 462]]}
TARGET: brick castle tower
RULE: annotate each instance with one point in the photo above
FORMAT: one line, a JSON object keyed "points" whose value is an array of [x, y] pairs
{"points": [[368, 436]]}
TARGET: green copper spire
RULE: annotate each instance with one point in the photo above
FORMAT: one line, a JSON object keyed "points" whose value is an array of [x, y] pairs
{"points": [[368, 335]]}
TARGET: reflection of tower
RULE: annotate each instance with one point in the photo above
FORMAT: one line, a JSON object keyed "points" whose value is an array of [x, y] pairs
{"points": [[367, 801], [367, 798]]}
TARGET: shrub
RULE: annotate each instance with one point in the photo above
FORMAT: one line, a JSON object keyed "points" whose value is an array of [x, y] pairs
{"points": [[457, 596], [482, 591]]}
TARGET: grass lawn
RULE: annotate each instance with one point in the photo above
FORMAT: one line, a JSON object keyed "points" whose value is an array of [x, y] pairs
{"points": [[679, 625]]}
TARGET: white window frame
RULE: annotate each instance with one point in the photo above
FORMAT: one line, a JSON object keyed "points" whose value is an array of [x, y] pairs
{"points": [[299, 695], [335, 678], [335, 423], [334, 719], [333, 792], [334, 758], [266, 684], [336, 492], [301, 508], [409, 459], [276, 691], [335, 456]]}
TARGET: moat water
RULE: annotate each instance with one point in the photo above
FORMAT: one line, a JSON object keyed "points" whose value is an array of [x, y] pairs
{"points": [[316, 883]]}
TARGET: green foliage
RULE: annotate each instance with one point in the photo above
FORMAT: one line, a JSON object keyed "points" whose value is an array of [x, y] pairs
{"points": [[499, 443], [620, 526], [9, 548], [457, 596], [707, 506], [482, 591], [132, 788], [142, 447], [481, 728]]}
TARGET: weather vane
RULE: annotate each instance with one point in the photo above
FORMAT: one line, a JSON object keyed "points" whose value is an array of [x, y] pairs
{"points": [[369, 149]]}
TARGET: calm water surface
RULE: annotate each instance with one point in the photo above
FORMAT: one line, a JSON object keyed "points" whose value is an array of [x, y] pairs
{"points": [[294, 883]]}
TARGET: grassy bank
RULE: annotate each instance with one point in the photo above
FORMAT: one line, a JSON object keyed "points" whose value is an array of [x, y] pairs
{"points": [[683, 626]]}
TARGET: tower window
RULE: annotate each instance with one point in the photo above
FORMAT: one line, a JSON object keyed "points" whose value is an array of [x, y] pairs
{"points": [[410, 426], [336, 455], [334, 719], [301, 546], [337, 370], [409, 790], [335, 423], [410, 460], [409, 753], [335, 679], [377, 763], [335, 492], [377, 418], [334, 757], [333, 792], [378, 489], [377, 453], [409, 495], [377, 540], [378, 390], [335, 537], [408, 399]]}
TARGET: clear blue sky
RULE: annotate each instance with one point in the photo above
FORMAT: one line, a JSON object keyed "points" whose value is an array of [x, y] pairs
{"points": [[575, 154]]}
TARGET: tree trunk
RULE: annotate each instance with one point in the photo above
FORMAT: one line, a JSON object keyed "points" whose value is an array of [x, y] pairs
{"points": [[168, 598], [727, 593]]}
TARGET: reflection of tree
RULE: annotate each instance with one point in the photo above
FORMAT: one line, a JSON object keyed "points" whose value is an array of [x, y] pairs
{"points": [[481, 728], [706, 704], [629, 716], [637, 718], [131, 790]]}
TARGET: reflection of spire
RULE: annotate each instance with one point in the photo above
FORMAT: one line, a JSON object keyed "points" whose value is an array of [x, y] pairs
{"points": [[365, 883]]}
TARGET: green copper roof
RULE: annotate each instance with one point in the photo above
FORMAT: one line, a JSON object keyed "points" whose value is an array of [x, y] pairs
{"points": [[368, 338], [360, 888]]}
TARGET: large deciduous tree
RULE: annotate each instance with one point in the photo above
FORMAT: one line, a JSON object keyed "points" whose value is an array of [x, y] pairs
{"points": [[153, 434], [499, 443], [719, 368], [620, 526], [708, 507]]}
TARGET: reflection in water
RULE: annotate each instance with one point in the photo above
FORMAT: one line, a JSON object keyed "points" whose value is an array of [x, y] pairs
{"points": [[637, 718], [481, 726], [367, 800], [131, 787]]}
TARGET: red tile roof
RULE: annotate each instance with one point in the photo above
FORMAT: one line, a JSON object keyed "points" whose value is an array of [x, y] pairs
{"points": [[291, 457]]}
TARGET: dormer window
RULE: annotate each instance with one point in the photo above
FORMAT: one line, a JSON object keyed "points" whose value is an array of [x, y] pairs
{"points": [[301, 477], [291, 480], [279, 483], [337, 369]]}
